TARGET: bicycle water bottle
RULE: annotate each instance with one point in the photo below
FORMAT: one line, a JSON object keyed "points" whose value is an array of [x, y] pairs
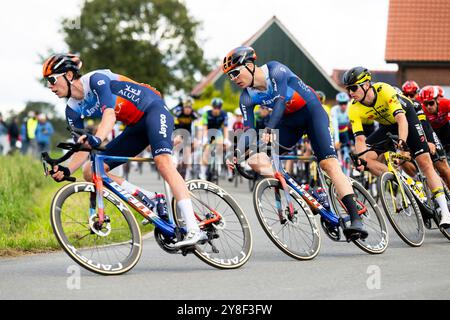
{"points": [[161, 206], [148, 202], [322, 197]]}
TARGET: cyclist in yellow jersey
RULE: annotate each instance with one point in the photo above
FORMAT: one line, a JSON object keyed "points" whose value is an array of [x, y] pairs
{"points": [[395, 113]]}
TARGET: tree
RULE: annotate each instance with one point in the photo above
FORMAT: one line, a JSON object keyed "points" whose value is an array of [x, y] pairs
{"points": [[151, 41]]}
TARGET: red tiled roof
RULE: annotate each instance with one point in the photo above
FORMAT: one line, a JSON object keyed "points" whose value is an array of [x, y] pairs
{"points": [[418, 30]]}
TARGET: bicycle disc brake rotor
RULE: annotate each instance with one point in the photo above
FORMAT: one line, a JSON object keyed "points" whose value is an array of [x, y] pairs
{"points": [[104, 230]]}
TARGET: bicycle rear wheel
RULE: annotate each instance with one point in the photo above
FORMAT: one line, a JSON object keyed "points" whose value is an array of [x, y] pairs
{"points": [[230, 239], [112, 249], [407, 222], [378, 239], [298, 237]]}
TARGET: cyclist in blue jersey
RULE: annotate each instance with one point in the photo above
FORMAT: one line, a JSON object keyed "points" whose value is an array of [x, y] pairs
{"points": [[295, 110], [111, 97], [340, 124]]}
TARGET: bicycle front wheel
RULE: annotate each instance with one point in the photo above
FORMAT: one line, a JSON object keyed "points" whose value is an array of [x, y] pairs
{"points": [[230, 239], [378, 239], [109, 249], [405, 218], [297, 236]]}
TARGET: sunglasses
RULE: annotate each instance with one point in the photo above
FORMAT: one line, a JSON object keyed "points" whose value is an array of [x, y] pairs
{"points": [[353, 88], [53, 79], [429, 103], [235, 73]]}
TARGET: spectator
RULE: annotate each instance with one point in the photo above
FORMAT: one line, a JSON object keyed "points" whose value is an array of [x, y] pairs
{"points": [[29, 134], [44, 133], [14, 134], [4, 145]]}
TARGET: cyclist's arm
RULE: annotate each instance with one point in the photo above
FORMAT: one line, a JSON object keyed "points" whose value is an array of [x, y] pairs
{"points": [[279, 77], [357, 128], [100, 85], [74, 120], [424, 121], [360, 143], [248, 110], [402, 122]]}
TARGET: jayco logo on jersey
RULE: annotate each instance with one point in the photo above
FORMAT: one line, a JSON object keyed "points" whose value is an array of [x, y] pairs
{"points": [[131, 93], [163, 130], [270, 101]]}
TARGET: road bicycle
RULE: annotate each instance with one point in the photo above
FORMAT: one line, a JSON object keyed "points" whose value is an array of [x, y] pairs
{"points": [[408, 202], [286, 211], [95, 227]]}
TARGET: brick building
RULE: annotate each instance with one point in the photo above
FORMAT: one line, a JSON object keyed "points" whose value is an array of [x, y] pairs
{"points": [[418, 40]]}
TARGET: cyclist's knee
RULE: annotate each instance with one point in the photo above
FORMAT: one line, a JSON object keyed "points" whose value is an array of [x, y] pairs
{"points": [[425, 163], [87, 172], [163, 162], [330, 166]]}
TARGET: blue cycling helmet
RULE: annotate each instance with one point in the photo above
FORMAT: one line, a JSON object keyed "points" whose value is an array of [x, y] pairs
{"points": [[217, 103], [342, 97]]}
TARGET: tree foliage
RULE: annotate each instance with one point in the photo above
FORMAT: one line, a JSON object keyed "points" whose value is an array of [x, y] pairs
{"points": [[151, 41]]}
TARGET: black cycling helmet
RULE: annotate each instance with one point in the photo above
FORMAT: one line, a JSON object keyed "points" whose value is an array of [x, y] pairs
{"points": [[356, 75], [61, 63], [238, 57]]}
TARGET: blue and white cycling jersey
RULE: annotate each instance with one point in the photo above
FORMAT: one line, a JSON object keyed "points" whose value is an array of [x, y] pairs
{"points": [[286, 93]]}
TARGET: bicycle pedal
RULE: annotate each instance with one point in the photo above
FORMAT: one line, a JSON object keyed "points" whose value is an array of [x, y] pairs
{"points": [[185, 251]]}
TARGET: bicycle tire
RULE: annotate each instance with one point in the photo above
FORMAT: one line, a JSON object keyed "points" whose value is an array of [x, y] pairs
{"points": [[312, 230], [378, 239], [88, 262], [414, 219], [233, 227]]}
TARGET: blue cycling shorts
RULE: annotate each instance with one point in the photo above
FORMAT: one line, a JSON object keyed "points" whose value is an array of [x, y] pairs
{"points": [[155, 128], [313, 121]]}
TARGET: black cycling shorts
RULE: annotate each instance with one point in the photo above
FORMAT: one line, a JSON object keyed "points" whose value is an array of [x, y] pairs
{"points": [[417, 141]]}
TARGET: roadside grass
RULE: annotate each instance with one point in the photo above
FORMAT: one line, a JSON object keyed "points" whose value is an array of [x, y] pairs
{"points": [[25, 200]]}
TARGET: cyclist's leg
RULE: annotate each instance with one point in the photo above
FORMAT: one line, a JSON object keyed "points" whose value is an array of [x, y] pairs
{"points": [[376, 167], [130, 143], [159, 124], [417, 142], [289, 133], [319, 133], [440, 160]]}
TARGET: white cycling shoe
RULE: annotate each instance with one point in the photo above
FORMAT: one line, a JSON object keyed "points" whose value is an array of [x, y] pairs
{"points": [[191, 239], [445, 222]]}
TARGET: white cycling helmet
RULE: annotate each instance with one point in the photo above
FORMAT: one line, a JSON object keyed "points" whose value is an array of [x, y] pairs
{"points": [[238, 112]]}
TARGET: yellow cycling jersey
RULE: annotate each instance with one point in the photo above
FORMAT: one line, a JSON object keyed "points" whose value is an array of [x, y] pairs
{"points": [[386, 106]]}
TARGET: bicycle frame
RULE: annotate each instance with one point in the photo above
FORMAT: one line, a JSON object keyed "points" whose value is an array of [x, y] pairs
{"points": [[285, 178], [390, 156], [101, 180]]}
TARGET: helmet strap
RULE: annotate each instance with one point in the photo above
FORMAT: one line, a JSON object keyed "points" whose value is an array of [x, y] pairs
{"points": [[365, 92], [69, 86], [252, 72]]}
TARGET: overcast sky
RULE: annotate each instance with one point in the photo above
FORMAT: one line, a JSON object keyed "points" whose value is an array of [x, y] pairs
{"points": [[338, 34]]}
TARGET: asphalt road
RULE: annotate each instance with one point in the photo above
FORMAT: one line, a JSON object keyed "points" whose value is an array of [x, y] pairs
{"points": [[340, 271]]}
